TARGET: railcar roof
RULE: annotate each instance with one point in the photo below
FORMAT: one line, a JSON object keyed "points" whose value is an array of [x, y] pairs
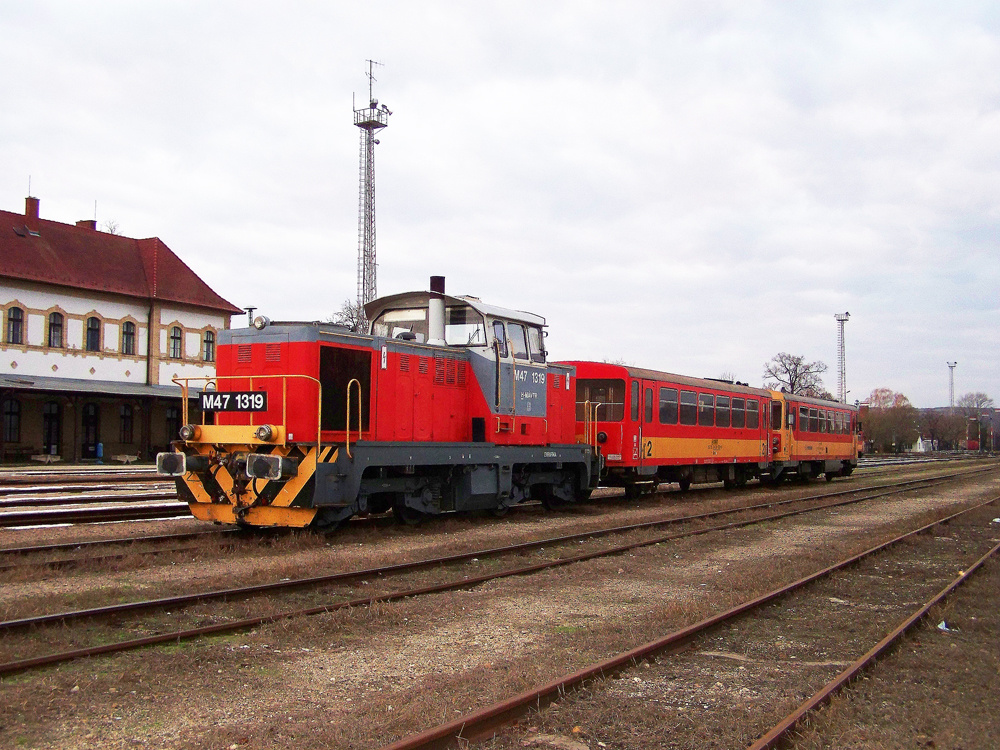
{"points": [[705, 383], [421, 299], [797, 398]]}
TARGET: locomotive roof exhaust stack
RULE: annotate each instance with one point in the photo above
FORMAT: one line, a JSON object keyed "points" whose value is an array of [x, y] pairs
{"points": [[435, 312]]}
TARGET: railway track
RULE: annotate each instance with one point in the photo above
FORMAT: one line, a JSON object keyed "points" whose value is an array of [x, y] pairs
{"points": [[143, 512], [489, 721], [382, 573]]}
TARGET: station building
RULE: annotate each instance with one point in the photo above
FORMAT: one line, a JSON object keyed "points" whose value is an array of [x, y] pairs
{"points": [[94, 328]]}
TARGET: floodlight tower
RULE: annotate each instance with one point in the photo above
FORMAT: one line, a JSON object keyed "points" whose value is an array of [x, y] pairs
{"points": [[370, 119], [841, 358], [951, 383]]}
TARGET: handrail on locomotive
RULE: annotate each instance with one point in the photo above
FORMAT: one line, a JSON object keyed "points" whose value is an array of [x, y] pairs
{"points": [[184, 384]]}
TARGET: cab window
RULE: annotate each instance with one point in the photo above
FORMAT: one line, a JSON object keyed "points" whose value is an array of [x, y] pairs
{"points": [[635, 400], [518, 341], [535, 346], [606, 396], [648, 416], [775, 414], [753, 414], [500, 337], [803, 419], [463, 326]]}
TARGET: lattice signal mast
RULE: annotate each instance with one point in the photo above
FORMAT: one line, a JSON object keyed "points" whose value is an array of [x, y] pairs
{"points": [[370, 119], [951, 383], [841, 358]]}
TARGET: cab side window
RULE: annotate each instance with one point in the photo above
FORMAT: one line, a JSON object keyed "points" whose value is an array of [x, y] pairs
{"points": [[635, 400], [518, 341], [536, 345], [500, 337]]}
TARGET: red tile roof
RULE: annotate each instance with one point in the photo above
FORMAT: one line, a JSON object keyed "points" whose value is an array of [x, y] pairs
{"points": [[33, 249]]}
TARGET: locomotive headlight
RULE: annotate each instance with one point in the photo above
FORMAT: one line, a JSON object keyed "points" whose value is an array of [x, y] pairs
{"points": [[269, 466], [264, 433], [171, 464], [602, 437], [261, 322], [189, 432]]}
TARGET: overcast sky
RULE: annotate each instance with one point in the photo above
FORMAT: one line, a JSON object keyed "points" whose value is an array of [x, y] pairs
{"points": [[691, 187]]}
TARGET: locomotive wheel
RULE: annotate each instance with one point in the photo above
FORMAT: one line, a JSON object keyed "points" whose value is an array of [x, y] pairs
{"points": [[632, 491], [500, 511], [406, 515], [548, 499], [685, 484]]}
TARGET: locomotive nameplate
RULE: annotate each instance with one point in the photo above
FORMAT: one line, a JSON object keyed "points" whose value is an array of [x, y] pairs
{"points": [[233, 401]]}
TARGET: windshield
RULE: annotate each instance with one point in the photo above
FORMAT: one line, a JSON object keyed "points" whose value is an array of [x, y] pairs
{"points": [[409, 324], [463, 326]]}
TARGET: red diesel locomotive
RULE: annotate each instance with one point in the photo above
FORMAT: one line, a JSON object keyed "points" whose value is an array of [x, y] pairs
{"points": [[449, 404]]}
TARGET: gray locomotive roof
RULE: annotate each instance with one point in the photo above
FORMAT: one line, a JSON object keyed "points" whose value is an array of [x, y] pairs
{"points": [[422, 299]]}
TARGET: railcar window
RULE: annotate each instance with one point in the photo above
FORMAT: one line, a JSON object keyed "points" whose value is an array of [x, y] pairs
{"points": [[518, 341], [635, 400], [814, 420], [753, 414], [648, 416], [822, 420], [608, 396], [829, 422], [401, 324], [706, 409], [536, 344], [500, 337], [739, 412], [689, 407], [722, 411], [803, 419], [776, 423], [463, 326], [668, 406]]}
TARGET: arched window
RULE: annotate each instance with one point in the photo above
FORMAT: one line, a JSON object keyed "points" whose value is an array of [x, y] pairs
{"points": [[176, 342], [56, 330], [127, 431], [128, 337], [15, 325], [11, 421], [209, 346], [93, 343]]}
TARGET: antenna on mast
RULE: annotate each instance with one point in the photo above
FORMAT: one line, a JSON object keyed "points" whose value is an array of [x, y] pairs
{"points": [[370, 120]]}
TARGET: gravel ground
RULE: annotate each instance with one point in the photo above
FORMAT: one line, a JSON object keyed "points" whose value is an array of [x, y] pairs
{"points": [[363, 678]]}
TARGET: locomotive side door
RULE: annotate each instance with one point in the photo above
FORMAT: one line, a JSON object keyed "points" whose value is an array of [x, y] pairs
{"points": [[503, 401]]}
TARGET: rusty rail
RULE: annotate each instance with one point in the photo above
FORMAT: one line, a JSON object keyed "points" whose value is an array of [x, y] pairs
{"points": [[483, 723]]}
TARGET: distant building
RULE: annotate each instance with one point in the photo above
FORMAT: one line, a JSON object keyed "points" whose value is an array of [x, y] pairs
{"points": [[95, 326]]}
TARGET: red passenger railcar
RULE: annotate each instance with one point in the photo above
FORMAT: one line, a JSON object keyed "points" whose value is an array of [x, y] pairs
{"points": [[653, 427]]}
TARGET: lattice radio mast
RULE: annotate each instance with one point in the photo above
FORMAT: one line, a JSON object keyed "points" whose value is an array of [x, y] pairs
{"points": [[370, 119], [841, 358], [951, 383]]}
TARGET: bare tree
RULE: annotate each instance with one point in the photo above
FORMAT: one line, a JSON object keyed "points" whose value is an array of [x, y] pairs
{"points": [[111, 227], [350, 314], [791, 373], [974, 404], [891, 422]]}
